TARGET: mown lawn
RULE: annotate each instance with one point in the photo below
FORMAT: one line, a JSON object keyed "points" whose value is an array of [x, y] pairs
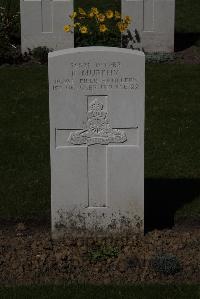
{"points": [[24, 139], [102, 292], [172, 143], [187, 16]]}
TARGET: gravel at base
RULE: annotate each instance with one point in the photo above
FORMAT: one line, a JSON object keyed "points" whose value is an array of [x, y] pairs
{"points": [[31, 256]]}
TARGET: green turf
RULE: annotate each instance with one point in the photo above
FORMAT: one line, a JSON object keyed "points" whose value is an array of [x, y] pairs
{"points": [[187, 16], [189, 210], [172, 143], [102, 292], [172, 121], [24, 139]]}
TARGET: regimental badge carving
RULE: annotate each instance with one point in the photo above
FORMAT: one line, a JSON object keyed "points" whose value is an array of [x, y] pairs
{"points": [[98, 129]]}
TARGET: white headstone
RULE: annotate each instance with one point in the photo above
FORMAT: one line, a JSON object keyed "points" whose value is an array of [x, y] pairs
{"points": [[155, 21], [97, 138], [42, 23]]}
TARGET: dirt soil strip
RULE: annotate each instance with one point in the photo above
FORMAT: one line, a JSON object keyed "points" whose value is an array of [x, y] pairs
{"points": [[29, 255]]}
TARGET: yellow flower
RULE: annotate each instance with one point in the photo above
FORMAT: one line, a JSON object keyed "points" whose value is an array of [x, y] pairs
{"points": [[127, 19], [81, 11], [91, 14], [117, 15], [101, 17], [67, 28], [121, 27], [103, 28], [125, 26], [109, 14], [77, 25], [73, 15], [84, 29], [94, 10]]}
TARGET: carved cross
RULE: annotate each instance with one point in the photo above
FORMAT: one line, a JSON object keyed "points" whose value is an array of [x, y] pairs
{"points": [[97, 137]]}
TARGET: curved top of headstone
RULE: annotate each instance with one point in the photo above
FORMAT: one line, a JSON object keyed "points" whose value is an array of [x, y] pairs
{"points": [[95, 49]]}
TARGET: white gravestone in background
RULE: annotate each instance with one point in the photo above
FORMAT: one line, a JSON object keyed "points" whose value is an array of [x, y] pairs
{"points": [[42, 23], [155, 21], [97, 138]]}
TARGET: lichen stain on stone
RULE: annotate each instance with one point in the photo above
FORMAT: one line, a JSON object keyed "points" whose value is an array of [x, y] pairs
{"points": [[76, 220]]}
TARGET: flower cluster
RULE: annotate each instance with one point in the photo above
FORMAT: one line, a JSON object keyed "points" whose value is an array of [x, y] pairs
{"points": [[86, 22]]}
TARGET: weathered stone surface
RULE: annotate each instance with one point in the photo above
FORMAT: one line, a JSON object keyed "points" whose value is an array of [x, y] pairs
{"points": [[42, 23], [155, 21], [97, 138]]}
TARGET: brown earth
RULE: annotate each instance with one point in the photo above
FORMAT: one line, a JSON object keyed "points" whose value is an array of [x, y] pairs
{"points": [[188, 56], [29, 255]]}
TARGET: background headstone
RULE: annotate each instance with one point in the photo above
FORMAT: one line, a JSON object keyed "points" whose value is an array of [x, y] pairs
{"points": [[42, 23], [155, 21], [97, 138]]}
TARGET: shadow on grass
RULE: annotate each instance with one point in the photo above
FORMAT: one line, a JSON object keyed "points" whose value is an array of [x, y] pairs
{"points": [[186, 40], [163, 197]]}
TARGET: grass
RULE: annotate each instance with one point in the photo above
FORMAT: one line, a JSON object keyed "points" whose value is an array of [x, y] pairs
{"points": [[187, 16], [172, 121], [172, 143], [192, 209], [24, 167], [102, 292]]}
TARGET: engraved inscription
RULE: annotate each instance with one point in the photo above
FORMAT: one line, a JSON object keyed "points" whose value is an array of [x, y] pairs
{"points": [[99, 130], [90, 76]]}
